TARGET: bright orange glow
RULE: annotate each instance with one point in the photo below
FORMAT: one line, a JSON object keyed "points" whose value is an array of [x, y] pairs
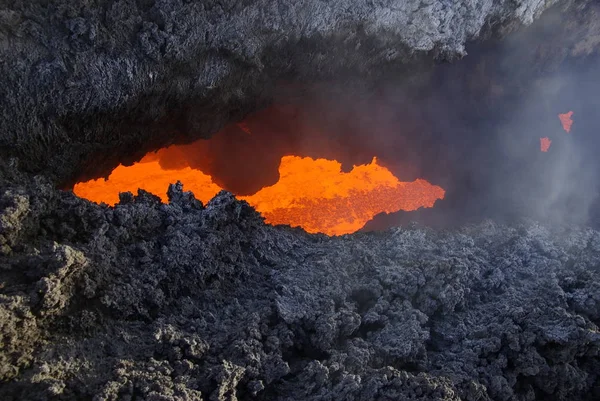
{"points": [[317, 196], [313, 194], [566, 120], [150, 176], [545, 144]]}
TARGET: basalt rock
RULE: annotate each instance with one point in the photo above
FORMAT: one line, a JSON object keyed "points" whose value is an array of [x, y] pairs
{"points": [[190, 301], [87, 86]]}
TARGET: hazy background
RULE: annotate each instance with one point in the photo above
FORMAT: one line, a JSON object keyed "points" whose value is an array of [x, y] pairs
{"points": [[473, 127]]}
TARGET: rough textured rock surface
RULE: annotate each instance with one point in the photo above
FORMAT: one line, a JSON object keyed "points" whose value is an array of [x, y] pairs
{"points": [[183, 301], [151, 301], [89, 84]]}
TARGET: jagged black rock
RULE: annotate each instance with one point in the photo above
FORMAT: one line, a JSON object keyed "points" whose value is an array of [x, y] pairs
{"points": [[185, 301]]}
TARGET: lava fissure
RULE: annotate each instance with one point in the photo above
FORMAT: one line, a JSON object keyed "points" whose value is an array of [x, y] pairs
{"points": [[311, 193]]}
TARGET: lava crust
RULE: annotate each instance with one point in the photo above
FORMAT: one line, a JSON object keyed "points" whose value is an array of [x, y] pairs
{"points": [[184, 301]]}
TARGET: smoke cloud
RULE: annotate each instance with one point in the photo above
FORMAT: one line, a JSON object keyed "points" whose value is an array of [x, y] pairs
{"points": [[472, 127]]}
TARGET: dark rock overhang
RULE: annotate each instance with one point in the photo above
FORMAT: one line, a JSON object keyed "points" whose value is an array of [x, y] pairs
{"points": [[86, 88]]}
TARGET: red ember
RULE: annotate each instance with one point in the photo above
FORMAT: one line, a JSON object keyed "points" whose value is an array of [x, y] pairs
{"points": [[545, 144], [566, 121]]}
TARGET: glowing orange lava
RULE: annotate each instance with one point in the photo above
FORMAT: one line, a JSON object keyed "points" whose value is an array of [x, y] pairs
{"points": [[566, 120], [150, 176], [313, 194], [317, 196], [545, 144]]}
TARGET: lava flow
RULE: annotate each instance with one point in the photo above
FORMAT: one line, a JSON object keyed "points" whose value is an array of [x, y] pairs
{"points": [[313, 194], [317, 196]]}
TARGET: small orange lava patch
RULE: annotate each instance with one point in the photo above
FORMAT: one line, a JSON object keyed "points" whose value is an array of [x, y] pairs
{"points": [[545, 144], [566, 120], [313, 194]]}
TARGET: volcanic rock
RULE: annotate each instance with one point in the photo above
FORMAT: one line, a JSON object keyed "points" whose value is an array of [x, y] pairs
{"points": [[153, 301], [189, 301], [89, 86]]}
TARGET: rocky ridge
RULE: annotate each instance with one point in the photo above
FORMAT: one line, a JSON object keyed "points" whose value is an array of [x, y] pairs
{"points": [[184, 301]]}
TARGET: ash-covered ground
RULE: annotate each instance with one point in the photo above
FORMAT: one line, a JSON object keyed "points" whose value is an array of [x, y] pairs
{"points": [[180, 301]]}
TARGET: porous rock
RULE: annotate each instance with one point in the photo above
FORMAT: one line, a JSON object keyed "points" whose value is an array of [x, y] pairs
{"points": [[190, 301]]}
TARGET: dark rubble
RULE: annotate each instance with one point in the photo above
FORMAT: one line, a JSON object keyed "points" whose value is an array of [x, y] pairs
{"points": [[177, 301]]}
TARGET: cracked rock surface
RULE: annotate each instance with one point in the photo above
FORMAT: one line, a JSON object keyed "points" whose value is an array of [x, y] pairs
{"points": [[185, 301]]}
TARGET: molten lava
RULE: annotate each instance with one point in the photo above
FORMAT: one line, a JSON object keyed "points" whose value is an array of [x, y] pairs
{"points": [[150, 176], [545, 144], [317, 196], [566, 120], [313, 194]]}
